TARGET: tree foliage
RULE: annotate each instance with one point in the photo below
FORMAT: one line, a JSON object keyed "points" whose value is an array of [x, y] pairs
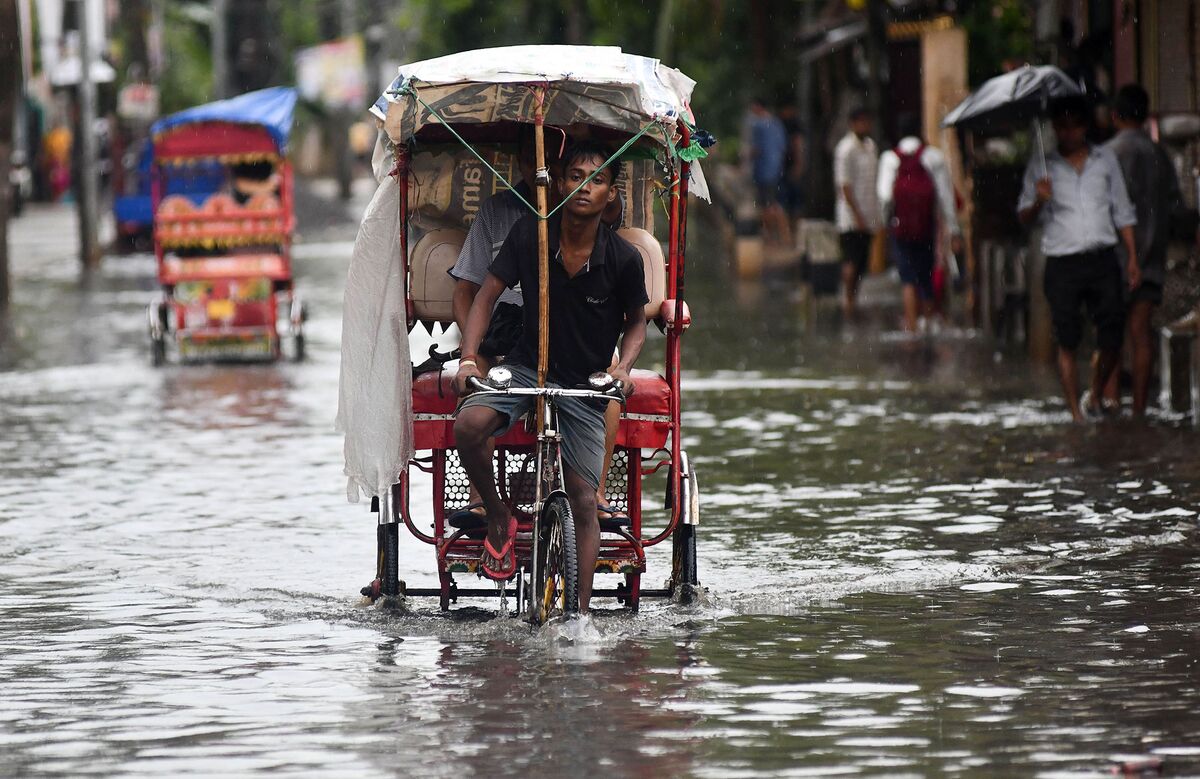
{"points": [[997, 30]]}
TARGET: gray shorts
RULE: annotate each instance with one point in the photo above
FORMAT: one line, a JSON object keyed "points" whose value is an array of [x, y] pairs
{"points": [[581, 421]]}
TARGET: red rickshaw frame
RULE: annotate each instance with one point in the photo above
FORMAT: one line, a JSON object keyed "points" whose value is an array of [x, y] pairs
{"points": [[456, 552]]}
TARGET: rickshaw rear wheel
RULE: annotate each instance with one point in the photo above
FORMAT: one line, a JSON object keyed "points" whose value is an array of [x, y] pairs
{"points": [[685, 574], [558, 568], [158, 351], [390, 578], [447, 590]]}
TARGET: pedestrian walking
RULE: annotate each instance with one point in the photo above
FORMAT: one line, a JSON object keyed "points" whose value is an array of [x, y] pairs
{"points": [[914, 190], [795, 164], [855, 172], [1154, 191], [1080, 200], [766, 153]]}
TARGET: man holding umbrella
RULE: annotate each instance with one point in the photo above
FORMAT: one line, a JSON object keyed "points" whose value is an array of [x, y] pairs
{"points": [[1078, 196]]}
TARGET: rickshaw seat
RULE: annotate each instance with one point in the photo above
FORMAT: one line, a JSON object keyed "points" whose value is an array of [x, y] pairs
{"points": [[644, 424], [432, 287], [653, 264]]}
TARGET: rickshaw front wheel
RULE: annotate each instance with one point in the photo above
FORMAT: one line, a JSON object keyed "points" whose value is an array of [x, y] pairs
{"points": [[557, 580]]}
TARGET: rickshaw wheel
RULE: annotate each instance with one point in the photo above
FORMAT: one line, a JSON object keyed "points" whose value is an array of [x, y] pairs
{"points": [[158, 351], [558, 569], [685, 576], [447, 587], [391, 559]]}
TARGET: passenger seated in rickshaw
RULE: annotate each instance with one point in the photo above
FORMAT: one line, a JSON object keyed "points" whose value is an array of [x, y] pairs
{"points": [[491, 226], [597, 296], [251, 179]]}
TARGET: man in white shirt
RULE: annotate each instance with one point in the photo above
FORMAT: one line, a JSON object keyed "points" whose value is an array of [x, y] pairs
{"points": [[855, 166], [1080, 200], [914, 190]]}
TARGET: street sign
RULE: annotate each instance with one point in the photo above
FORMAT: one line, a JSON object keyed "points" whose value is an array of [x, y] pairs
{"points": [[138, 102]]}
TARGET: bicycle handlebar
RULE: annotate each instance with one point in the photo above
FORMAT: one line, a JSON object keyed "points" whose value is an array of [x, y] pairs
{"points": [[615, 392]]}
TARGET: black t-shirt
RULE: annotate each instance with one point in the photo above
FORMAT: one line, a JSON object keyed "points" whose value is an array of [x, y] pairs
{"points": [[587, 311]]}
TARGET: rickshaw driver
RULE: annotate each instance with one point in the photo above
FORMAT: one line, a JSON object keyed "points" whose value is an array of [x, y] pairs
{"points": [[597, 296], [496, 217]]}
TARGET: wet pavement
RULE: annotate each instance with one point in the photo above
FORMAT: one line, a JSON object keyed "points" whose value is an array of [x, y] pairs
{"points": [[915, 566]]}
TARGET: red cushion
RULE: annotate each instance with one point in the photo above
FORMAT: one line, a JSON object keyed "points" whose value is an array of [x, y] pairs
{"points": [[433, 393], [644, 424], [646, 419]]}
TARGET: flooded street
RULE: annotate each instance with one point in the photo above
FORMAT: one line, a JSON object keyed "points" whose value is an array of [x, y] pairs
{"points": [[914, 565]]}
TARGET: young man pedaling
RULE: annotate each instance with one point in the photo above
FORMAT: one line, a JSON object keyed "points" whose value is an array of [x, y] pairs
{"points": [[597, 294]]}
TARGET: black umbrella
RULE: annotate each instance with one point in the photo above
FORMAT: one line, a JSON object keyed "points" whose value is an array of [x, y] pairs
{"points": [[1020, 95]]}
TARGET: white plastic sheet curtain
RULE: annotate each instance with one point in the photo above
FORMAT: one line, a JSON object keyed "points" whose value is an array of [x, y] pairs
{"points": [[375, 390]]}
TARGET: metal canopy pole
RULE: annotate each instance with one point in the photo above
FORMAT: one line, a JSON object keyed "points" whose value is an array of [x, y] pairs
{"points": [[89, 243], [543, 181], [220, 48]]}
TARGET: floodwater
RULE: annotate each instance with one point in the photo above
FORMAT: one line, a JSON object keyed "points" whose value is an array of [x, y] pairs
{"points": [[914, 566]]}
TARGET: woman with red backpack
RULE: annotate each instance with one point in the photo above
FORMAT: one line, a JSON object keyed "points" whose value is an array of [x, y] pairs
{"points": [[914, 190]]}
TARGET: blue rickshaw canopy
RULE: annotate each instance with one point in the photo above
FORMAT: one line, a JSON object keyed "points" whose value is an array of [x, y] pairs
{"points": [[270, 108]]}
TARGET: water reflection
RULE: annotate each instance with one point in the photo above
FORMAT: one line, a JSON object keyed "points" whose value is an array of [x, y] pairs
{"points": [[914, 568]]}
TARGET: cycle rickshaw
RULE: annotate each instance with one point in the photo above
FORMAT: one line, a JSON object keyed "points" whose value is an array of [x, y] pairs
{"points": [[221, 198], [450, 130]]}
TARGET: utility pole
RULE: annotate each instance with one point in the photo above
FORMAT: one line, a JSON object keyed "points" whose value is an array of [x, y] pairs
{"points": [[10, 66], [220, 48], [876, 50], [342, 115], [89, 243]]}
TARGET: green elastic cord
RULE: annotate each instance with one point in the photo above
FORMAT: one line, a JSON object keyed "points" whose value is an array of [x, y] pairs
{"points": [[407, 89]]}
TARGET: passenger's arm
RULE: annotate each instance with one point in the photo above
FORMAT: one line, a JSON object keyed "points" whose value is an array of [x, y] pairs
{"points": [[471, 268], [478, 318], [464, 295], [633, 337]]}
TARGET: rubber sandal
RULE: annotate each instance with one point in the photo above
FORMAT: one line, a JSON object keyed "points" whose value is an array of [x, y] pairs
{"points": [[611, 520], [503, 555], [613, 514]]}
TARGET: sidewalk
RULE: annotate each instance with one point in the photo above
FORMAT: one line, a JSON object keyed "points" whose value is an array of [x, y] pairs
{"points": [[46, 235]]}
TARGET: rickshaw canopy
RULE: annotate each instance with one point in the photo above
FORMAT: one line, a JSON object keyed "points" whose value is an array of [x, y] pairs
{"points": [[482, 96], [256, 124], [595, 86]]}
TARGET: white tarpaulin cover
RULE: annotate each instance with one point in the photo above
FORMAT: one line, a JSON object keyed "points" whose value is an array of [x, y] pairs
{"points": [[375, 391], [659, 91], [586, 85]]}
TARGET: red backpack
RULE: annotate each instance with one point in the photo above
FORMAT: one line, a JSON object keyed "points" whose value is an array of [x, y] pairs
{"points": [[914, 199]]}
